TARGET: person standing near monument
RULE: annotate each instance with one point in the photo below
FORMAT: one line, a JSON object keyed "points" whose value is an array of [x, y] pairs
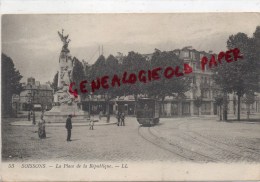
{"points": [[69, 127], [29, 116], [118, 116], [100, 115], [91, 124], [122, 119], [41, 128]]}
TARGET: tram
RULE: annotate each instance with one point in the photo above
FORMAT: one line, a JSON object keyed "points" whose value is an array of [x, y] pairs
{"points": [[147, 111]]}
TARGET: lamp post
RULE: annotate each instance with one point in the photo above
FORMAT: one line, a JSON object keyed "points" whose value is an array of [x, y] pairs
{"points": [[107, 107], [89, 99], [29, 105], [31, 95]]}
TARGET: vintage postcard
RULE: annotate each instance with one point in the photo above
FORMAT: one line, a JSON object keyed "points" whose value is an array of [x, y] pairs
{"points": [[130, 97]]}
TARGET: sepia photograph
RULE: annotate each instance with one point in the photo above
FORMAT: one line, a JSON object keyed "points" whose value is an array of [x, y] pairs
{"points": [[103, 91]]}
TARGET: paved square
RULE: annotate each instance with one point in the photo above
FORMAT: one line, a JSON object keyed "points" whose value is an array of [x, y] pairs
{"points": [[190, 139]]}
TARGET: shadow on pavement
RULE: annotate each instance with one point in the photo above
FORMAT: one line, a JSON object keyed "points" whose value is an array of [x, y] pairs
{"points": [[249, 121], [74, 140]]}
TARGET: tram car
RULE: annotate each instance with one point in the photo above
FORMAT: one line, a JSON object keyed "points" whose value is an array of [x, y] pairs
{"points": [[147, 111]]}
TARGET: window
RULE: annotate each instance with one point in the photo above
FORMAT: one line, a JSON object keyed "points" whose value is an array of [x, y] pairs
{"points": [[201, 79], [174, 108], [184, 54], [185, 108], [205, 108], [191, 55], [194, 80], [198, 66], [194, 67], [205, 93]]}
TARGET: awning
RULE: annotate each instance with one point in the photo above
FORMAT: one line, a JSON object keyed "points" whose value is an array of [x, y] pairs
{"points": [[37, 106]]}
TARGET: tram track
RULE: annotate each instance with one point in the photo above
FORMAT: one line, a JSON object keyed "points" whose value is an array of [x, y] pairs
{"points": [[213, 142], [142, 135], [246, 149], [217, 145], [176, 149]]}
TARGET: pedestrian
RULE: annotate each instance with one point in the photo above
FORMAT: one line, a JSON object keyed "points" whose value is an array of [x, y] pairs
{"points": [[118, 118], [29, 116], [69, 127], [108, 118], [100, 115], [34, 121], [41, 128], [91, 124], [42, 114], [122, 119]]}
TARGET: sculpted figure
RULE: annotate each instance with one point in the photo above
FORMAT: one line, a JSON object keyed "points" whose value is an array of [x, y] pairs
{"points": [[65, 40]]}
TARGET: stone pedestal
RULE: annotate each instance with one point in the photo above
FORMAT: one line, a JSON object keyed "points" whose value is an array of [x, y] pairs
{"points": [[59, 114]]}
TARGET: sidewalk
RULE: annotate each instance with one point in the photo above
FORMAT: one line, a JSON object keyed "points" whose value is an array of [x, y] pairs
{"points": [[96, 121]]}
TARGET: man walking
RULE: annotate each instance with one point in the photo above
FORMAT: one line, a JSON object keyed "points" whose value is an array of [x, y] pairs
{"points": [[91, 124], [122, 119], [69, 127], [118, 118]]}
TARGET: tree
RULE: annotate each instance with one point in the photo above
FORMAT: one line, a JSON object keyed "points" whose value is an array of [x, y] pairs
{"points": [[87, 71], [96, 71], [10, 84], [133, 63], [176, 86], [54, 84], [112, 67], [198, 103], [248, 100], [219, 102], [78, 73], [256, 39], [98, 68], [234, 104], [241, 76]]}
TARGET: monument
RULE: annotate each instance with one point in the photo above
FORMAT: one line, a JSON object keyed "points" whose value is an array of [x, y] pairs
{"points": [[64, 102]]}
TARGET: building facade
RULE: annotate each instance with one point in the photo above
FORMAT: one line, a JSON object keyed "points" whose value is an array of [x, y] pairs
{"points": [[35, 95], [202, 86]]}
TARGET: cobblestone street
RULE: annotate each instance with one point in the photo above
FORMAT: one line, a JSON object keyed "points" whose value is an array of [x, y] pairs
{"points": [[174, 139]]}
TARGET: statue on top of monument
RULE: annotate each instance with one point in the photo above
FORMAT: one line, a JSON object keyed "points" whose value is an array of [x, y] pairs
{"points": [[65, 40]]}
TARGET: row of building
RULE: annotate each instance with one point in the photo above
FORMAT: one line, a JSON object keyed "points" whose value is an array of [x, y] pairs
{"points": [[41, 95], [34, 96]]}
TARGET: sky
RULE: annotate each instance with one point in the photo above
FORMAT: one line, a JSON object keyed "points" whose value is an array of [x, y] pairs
{"points": [[33, 43]]}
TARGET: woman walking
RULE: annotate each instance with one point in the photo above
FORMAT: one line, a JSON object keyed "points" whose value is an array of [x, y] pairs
{"points": [[41, 128], [91, 124]]}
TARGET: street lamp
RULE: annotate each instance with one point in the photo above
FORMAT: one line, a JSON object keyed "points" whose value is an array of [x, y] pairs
{"points": [[31, 95], [89, 99], [29, 105]]}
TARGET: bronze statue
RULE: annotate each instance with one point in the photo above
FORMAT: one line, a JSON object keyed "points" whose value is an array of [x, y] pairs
{"points": [[64, 40]]}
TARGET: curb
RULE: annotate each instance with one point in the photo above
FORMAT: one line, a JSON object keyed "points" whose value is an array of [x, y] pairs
{"points": [[61, 124]]}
